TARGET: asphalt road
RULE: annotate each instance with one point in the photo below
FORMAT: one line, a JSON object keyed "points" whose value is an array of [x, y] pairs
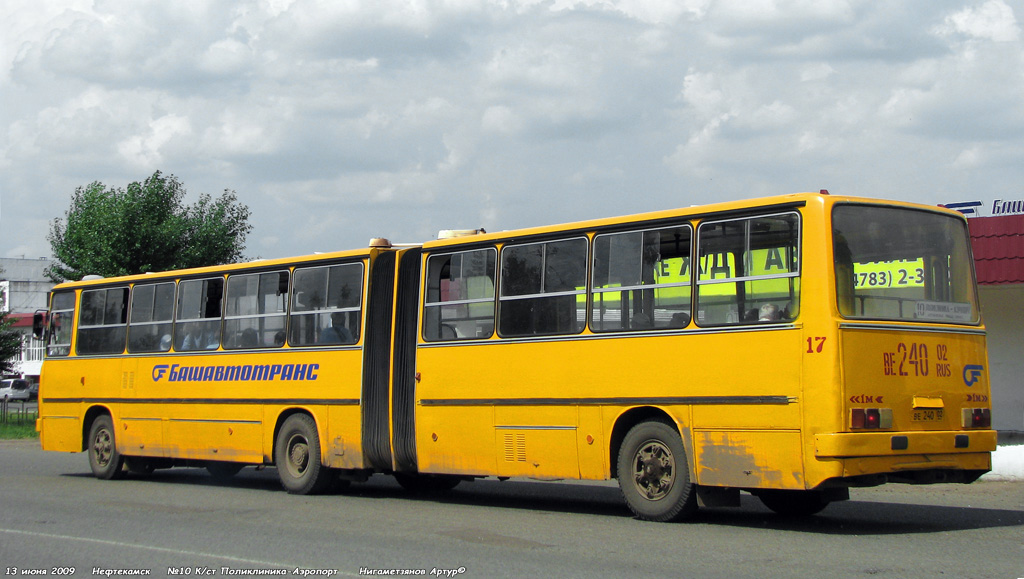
{"points": [[58, 520]]}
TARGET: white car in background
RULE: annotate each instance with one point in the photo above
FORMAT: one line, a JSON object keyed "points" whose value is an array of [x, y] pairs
{"points": [[14, 389]]}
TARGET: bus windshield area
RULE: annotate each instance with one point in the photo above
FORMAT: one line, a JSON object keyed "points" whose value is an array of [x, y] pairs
{"points": [[902, 264]]}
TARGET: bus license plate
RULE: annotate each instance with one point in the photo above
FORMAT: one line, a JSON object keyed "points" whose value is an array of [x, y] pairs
{"points": [[926, 415]]}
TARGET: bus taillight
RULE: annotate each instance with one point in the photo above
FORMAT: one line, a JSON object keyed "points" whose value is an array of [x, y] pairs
{"points": [[861, 418], [977, 418]]}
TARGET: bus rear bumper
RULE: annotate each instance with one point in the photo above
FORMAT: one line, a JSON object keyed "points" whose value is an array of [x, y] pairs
{"points": [[890, 444], [874, 458]]}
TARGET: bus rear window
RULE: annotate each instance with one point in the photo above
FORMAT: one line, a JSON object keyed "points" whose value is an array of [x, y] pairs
{"points": [[902, 264]]}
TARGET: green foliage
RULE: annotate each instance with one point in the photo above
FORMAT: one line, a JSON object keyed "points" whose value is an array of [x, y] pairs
{"points": [[145, 227], [10, 345], [18, 430]]}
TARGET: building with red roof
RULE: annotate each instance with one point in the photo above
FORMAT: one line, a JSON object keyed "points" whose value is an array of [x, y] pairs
{"points": [[998, 245]]}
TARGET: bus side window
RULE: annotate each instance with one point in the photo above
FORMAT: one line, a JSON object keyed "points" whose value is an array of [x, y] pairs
{"points": [[459, 300], [255, 310], [62, 312], [641, 280], [746, 264], [152, 313], [541, 288], [103, 321], [197, 326], [326, 305]]}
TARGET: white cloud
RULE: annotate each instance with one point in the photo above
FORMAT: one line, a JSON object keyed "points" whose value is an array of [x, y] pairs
{"points": [[701, 91], [969, 158], [994, 20], [225, 57], [500, 119], [816, 71], [350, 119], [240, 132], [144, 150], [781, 11], [647, 11]]}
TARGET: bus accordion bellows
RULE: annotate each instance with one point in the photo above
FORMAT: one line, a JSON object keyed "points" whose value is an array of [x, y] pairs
{"points": [[791, 347]]}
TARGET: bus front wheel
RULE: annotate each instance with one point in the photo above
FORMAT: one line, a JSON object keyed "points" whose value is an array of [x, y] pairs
{"points": [[297, 456], [653, 473], [105, 461]]}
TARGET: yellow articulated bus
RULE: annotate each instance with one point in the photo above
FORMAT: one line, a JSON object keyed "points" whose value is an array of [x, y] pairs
{"points": [[791, 347]]}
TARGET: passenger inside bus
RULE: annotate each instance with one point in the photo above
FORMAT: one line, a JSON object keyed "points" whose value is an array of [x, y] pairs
{"points": [[248, 338], [200, 337], [337, 333], [768, 313], [679, 320]]}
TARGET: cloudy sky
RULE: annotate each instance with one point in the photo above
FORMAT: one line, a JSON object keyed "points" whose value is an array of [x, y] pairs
{"points": [[337, 121]]}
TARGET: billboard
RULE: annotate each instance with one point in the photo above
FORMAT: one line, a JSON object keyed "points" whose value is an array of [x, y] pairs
{"points": [[994, 208]]}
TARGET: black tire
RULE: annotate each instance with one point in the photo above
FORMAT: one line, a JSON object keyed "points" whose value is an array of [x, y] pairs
{"points": [[297, 456], [793, 503], [654, 475], [223, 470], [427, 483], [104, 459]]}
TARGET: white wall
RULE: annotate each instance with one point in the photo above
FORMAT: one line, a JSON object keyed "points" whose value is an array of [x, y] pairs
{"points": [[28, 283], [1003, 309]]}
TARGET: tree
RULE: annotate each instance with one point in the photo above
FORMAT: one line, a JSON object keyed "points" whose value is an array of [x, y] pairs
{"points": [[145, 227], [10, 345], [10, 342]]}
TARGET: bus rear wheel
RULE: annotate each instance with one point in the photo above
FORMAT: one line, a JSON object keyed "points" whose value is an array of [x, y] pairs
{"points": [[654, 475], [105, 461], [793, 503], [297, 456]]}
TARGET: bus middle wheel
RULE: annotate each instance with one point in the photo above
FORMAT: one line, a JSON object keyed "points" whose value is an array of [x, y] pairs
{"points": [[297, 456]]}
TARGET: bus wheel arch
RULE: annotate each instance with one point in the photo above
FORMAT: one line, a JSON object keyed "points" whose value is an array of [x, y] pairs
{"points": [[654, 472], [625, 422], [297, 454], [90, 416]]}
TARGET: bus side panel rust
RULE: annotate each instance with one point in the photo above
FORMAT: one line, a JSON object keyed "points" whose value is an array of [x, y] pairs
{"points": [[746, 459]]}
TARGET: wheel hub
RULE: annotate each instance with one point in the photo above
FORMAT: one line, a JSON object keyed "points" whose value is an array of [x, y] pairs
{"points": [[654, 470], [102, 448], [298, 456]]}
